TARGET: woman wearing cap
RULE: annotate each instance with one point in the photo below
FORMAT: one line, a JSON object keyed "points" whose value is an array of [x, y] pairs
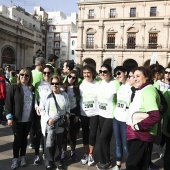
{"points": [[106, 95], [54, 106], [19, 113], [141, 134]]}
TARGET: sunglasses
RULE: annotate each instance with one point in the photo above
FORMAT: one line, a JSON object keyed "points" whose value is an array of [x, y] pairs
{"points": [[56, 84], [46, 73], [26, 75], [166, 72], [69, 76], [118, 73], [103, 71]]}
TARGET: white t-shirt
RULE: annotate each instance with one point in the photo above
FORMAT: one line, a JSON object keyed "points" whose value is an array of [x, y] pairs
{"points": [[44, 89], [106, 94], [27, 108], [163, 85], [88, 101], [123, 101]]}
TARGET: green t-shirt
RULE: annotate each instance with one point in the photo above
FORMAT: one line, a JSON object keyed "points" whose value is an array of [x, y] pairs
{"points": [[156, 85], [145, 100], [37, 76], [12, 79]]}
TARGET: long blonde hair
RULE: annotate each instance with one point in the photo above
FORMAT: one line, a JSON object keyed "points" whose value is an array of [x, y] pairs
{"points": [[23, 70]]}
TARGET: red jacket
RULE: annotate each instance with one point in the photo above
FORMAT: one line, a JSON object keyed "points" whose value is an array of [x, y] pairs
{"points": [[2, 88]]}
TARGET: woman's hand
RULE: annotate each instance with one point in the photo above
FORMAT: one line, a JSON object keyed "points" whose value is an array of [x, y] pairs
{"points": [[38, 111], [50, 121], [10, 122]]}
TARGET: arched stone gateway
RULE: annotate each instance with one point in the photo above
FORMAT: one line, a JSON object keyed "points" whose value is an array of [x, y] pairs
{"points": [[8, 55], [90, 62], [147, 63], [130, 64], [107, 61]]}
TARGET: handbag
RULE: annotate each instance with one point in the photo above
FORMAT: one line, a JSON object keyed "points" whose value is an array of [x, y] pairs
{"points": [[62, 121], [138, 117]]}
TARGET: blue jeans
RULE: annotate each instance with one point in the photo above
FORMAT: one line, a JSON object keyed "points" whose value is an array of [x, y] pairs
{"points": [[119, 132]]}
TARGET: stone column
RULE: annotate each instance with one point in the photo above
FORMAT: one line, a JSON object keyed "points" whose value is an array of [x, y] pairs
{"points": [[79, 58], [101, 32], [99, 61], [80, 35]]}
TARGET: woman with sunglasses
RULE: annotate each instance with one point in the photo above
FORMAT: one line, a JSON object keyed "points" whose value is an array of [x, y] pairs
{"points": [[19, 113], [140, 135], [71, 87], [42, 88], [106, 95], [54, 106], [89, 113], [165, 82], [120, 114]]}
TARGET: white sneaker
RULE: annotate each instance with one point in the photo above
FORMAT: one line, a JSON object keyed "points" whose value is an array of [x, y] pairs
{"points": [[15, 163], [37, 160], [116, 168], [90, 160], [160, 151], [23, 162], [84, 160]]}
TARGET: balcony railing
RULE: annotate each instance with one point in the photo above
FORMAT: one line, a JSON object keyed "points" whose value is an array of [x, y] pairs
{"points": [[90, 16], [90, 46], [132, 46], [132, 15], [152, 46], [112, 16], [110, 46], [152, 14], [124, 47]]}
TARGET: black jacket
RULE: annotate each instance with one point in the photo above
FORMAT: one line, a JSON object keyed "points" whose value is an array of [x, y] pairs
{"points": [[15, 101]]}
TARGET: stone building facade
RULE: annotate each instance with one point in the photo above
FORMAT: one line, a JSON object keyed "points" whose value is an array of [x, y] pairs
{"points": [[21, 36], [16, 44], [128, 31]]}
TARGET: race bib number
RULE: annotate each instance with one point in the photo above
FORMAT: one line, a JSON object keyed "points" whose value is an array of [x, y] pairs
{"points": [[121, 106], [103, 106], [88, 105]]}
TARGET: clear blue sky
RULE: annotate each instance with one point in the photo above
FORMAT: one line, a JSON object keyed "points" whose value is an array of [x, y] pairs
{"points": [[66, 6]]}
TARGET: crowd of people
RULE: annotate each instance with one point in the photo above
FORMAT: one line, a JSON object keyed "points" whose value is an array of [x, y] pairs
{"points": [[52, 104]]}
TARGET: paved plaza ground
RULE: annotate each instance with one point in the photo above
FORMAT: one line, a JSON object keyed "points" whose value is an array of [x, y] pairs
{"points": [[6, 139]]}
